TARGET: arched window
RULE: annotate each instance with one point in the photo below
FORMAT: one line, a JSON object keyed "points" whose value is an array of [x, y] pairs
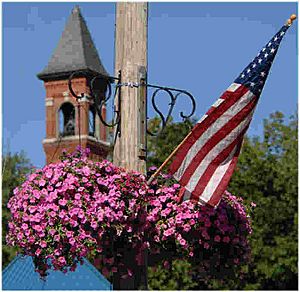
{"points": [[92, 120], [67, 120]]}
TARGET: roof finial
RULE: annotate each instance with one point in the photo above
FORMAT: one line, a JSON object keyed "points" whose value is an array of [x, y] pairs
{"points": [[76, 9], [291, 19]]}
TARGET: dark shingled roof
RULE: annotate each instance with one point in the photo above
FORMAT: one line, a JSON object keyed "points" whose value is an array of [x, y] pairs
{"points": [[75, 51]]}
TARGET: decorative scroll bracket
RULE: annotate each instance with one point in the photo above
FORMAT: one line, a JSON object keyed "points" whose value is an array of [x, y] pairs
{"points": [[173, 94], [101, 91]]}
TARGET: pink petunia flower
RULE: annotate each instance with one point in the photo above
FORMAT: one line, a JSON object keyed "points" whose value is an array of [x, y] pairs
{"points": [[52, 232], [57, 237], [38, 252], [77, 196], [42, 182], [217, 238], [226, 239], [72, 241], [62, 202], [69, 233], [94, 224], [62, 260], [37, 228], [182, 241], [48, 173], [43, 244]]}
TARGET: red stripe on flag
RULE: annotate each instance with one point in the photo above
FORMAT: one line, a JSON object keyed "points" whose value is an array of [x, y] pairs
{"points": [[205, 178], [215, 139], [181, 194], [211, 110], [230, 98], [219, 191]]}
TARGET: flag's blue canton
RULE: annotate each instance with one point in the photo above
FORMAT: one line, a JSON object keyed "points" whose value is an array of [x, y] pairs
{"points": [[255, 74]]}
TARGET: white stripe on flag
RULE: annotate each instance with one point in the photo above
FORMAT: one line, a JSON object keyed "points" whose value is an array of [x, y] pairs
{"points": [[220, 122], [215, 151], [218, 102], [187, 195], [202, 119], [233, 87], [217, 177]]}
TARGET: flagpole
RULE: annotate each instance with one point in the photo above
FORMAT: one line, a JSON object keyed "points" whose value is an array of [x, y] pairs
{"points": [[154, 175]]}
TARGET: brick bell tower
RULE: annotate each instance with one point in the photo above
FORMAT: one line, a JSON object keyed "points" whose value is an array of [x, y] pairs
{"points": [[64, 114]]}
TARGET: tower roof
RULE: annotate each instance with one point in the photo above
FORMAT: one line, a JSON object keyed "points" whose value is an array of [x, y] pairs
{"points": [[75, 51]]}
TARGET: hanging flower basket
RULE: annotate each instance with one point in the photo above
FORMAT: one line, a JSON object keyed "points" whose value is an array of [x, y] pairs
{"points": [[75, 208], [212, 239]]}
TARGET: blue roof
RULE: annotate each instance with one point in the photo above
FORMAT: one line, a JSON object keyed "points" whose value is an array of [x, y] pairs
{"points": [[20, 275]]}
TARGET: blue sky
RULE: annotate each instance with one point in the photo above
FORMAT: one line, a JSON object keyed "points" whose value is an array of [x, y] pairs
{"points": [[200, 47]]}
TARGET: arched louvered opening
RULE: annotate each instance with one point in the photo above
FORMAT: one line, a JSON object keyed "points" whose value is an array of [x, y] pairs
{"points": [[92, 120], [67, 120]]}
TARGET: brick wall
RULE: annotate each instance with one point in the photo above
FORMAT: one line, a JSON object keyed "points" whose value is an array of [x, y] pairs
{"points": [[57, 93]]}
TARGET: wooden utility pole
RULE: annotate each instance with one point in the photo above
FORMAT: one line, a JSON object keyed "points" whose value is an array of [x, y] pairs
{"points": [[131, 61], [130, 146]]}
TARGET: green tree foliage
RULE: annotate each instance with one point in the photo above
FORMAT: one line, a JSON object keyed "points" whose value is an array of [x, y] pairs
{"points": [[177, 277], [14, 169], [266, 174], [159, 147]]}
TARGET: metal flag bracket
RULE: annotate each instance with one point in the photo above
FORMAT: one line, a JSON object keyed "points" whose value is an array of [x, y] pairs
{"points": [[103, 87]]}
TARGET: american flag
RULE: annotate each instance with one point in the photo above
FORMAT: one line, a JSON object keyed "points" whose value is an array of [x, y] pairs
{"points": [[204, 163]]}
